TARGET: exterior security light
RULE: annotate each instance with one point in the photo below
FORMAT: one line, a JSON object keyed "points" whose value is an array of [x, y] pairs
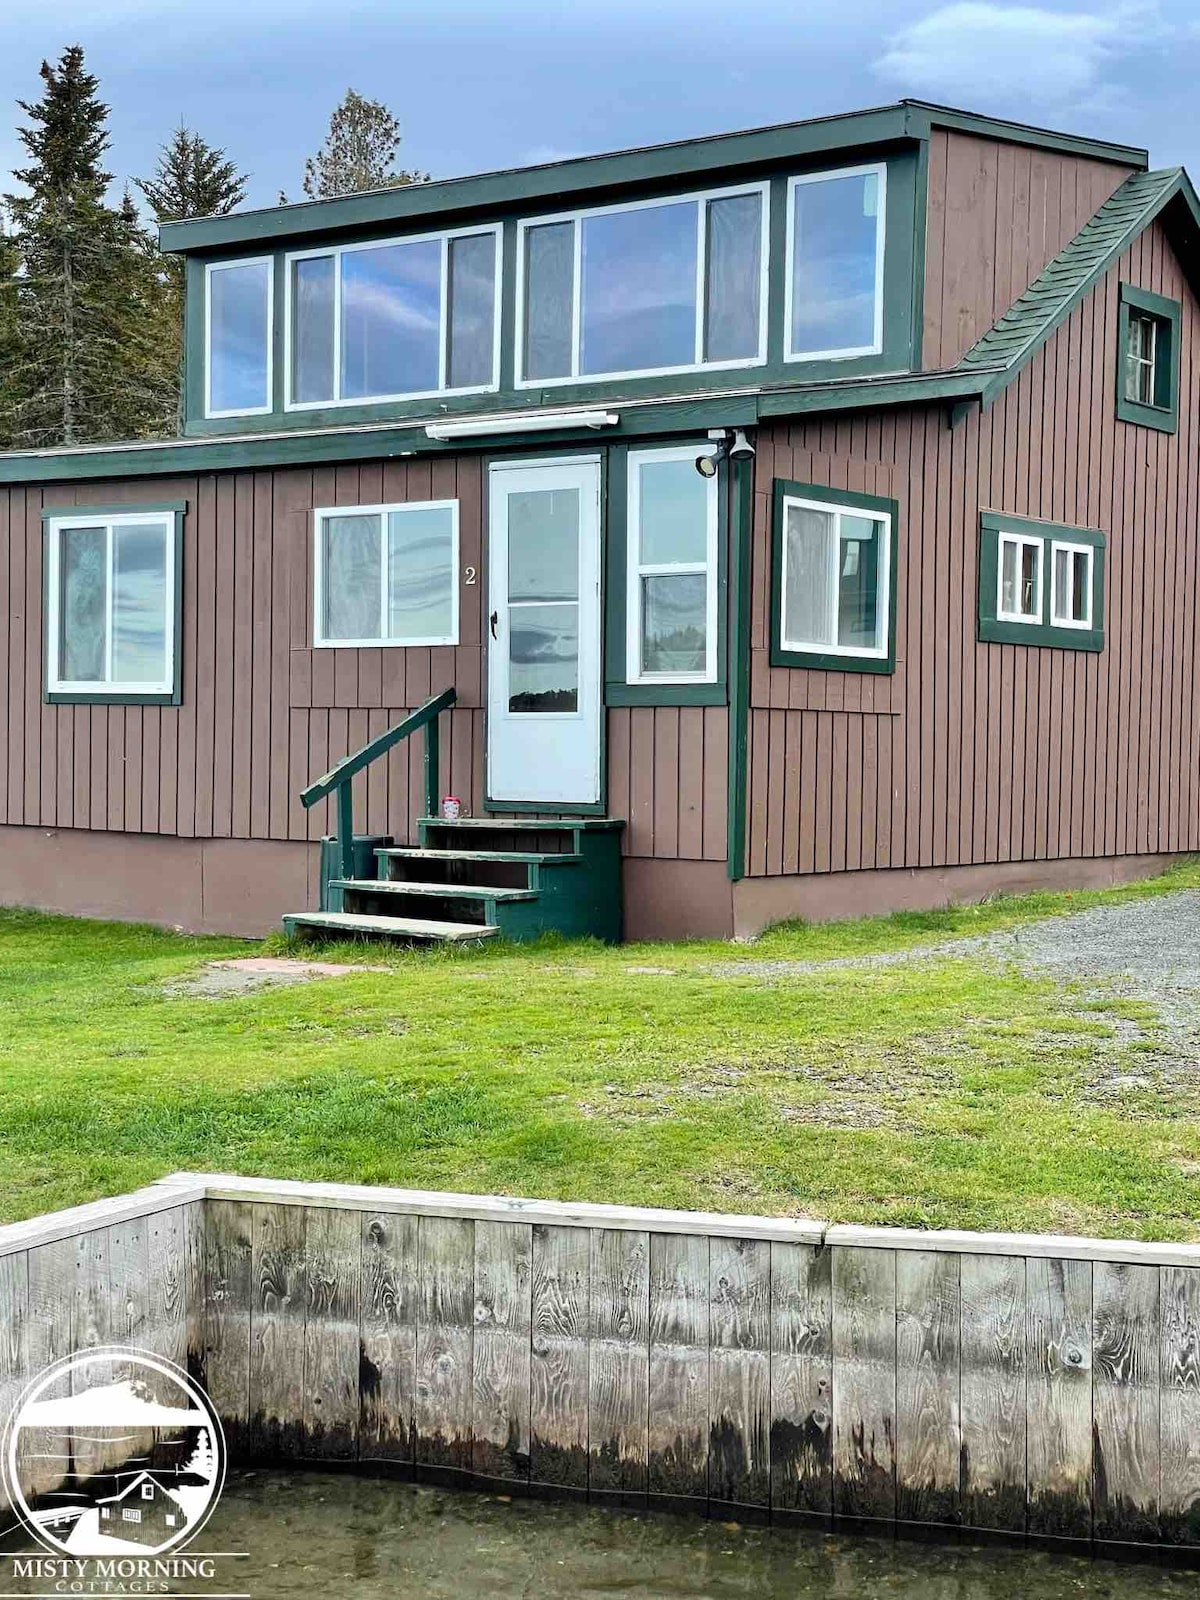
{"points": [[741, 449], [707, 465]]}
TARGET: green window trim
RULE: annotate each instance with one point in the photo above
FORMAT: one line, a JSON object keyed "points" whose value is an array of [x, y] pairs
{"points": [[618, 691], [1164, 413], [172, 696], [848, 500], [1045, 633]]}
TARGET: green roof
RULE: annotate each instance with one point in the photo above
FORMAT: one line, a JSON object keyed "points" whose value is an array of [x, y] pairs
{"points": [[1045, 305]]}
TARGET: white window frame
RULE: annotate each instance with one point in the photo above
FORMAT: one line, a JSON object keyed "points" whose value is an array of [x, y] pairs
{"points": [[1072, 548], [107, 687], [210, 268], [875, 348], [337, 253], [636, 569], [1147, 363], [1021, 540], [699, 198], [878, 652], [320, 515]]}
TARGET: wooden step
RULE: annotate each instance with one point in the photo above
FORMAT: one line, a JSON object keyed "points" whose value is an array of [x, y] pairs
{"points": [[537, 857], [547, 824], [443, 891], [352, 922]]}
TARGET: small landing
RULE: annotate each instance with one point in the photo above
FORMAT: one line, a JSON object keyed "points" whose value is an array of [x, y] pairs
{"points": [[351, 923]]}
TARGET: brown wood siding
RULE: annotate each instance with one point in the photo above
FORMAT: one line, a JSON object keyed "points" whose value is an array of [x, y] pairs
{"points": [[975, 753], [997, 213], [263, 713]]}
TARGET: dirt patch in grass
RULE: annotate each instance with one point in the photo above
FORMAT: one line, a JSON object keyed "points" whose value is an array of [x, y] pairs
{"points": [[218, 980]]}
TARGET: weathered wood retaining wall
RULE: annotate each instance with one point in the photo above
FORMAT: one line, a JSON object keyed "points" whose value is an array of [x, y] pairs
{"points": [[1029, 1386]]}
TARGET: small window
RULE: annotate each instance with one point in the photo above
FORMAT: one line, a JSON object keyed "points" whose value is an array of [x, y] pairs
{"points": [[147, 1491], [1148, 375], [239, 321], [131, 1513], [1019, 581], [833, 579], [112, 605], [1071, 584], [393, 321], [387, 574], [655, 287], [1040, 584], [671, 602], [834, 274]]}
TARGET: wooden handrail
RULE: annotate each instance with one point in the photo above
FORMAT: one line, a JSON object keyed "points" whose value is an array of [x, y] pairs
{"points": [[341, 776]]}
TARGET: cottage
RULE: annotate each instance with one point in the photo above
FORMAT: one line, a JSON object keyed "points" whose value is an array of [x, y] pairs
{"points": [[799, 522], [145, 1512]]}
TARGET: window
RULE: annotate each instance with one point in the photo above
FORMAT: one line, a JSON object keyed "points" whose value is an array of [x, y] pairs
{"points": [[671, 595], [394, 320], [1019, 579], [1070, 584], [833, 565], [131, 1513], [834, 275], [387, 574], [1148, 374], [1040, 584], [112, 604], [655, 287], [147, 1491], [239, 323]]}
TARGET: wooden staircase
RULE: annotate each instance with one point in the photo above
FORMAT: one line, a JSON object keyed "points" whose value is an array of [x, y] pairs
{"points": [[479, 877]]}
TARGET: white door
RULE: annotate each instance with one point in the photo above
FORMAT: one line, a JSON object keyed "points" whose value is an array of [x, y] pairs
{"points": [[544, 691]]}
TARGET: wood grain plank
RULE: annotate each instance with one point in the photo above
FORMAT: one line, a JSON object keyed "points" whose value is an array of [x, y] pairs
{"points": [[801, 1379], [678, 1367], [228, 1274], [1179, 1512], [501, 1362], [128, 1248], [560, 1320], [332, 1265], [618, 1355], [50, 1336], [1126, 1340], [1058, 1353], [739, 1460], [446, 1271], [277, 1317], [14, 1341], [928, 1436], [864, 1394], [388, 1350], [993, 1397]]}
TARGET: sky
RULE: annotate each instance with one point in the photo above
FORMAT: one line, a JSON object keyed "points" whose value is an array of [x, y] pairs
{"points": [[479, 84]]}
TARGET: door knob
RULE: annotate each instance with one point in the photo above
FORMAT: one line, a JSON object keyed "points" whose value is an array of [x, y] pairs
{"points": [[493, 620]]}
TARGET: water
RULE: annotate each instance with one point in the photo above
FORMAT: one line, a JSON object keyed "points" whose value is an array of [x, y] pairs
{"points": [[317, 1535]]}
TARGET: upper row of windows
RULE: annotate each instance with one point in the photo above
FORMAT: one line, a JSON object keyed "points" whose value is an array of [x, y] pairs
{"points": [[653, 287]]}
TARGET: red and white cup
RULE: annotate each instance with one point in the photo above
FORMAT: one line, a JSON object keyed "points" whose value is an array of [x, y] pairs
{"points": [[451, 808]]}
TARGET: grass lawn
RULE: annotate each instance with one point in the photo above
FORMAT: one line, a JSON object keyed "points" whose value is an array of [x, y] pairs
{"points": [[946, 1090]]}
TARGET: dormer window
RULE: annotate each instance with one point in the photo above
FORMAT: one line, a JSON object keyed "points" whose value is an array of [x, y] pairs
{"points": [[238, 297], [1148, 353], [834, 282], [397, 320], [658, 286]]}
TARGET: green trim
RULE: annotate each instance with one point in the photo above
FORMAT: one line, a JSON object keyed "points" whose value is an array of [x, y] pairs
{"points": [[1164, 413], [165, 507], [718, 153], [920, 231], [617, 690], [172, 697], [740, 524], [1044, 634], [782, 656], [936, 116]]}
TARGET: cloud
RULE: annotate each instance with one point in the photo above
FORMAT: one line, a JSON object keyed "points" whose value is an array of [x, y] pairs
{"points": [[974, 48]]}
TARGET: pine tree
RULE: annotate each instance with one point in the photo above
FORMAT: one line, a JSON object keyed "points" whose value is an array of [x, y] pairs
{"points": [[89, 293], [8, 329], [192, 178], [358, 152]]}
